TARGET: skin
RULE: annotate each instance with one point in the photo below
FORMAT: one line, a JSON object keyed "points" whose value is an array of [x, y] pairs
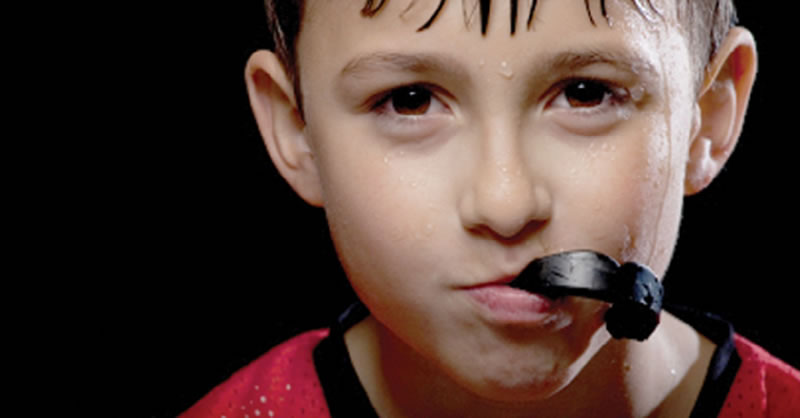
{"points": [[502, 165]]}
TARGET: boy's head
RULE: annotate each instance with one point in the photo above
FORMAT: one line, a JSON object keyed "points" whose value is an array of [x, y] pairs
{"points": [[448, 158]]}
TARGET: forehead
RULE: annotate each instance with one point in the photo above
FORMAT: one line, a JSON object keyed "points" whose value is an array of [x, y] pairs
{"points": [[361, 21], [641, 34]]}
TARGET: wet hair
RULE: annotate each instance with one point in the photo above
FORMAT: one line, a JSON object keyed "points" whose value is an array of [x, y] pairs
{"points": [[370, 9], [707, 22]]}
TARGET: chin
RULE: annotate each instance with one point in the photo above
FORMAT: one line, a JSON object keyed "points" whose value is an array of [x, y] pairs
{"points": [[522, 377], [521, 387], [538, 372]]}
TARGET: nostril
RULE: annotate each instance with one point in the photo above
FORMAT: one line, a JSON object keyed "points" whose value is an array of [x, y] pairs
{"points": [[524, 233], [512, 218]]}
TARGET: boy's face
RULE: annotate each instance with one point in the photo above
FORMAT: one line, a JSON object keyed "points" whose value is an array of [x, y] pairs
{"points": [[449, 160]]}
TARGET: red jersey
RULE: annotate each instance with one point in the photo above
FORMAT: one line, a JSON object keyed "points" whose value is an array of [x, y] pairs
{"points": [[764, 386], [281, 383]]}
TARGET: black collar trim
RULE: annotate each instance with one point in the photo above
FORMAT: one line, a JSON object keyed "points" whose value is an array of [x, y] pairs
{"points": [[343, 391]]}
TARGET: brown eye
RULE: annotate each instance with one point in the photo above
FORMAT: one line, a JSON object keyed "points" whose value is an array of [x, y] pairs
{"points": [[411, 100], [586, 93]]}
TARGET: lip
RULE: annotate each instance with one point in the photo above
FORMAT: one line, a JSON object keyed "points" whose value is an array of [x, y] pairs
{"points": [[501, 304]]}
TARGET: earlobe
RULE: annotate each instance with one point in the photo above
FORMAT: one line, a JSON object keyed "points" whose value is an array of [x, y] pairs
{"points": [[272, 99], [721, 106]]}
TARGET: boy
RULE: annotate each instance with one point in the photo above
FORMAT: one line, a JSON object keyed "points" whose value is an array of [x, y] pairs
{"points": [[452, 143]]}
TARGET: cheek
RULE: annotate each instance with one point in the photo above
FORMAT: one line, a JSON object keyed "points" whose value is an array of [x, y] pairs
{"points": [[655, 196], [650, 205], [628, 186], [383, 222], [388, 227]]}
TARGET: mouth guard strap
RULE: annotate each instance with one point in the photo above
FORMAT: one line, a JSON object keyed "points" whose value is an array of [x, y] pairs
{"points": [[633, 290]]}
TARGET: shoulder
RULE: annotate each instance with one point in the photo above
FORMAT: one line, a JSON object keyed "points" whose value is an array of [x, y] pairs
{"points": [[282, 382], [764, 387]]}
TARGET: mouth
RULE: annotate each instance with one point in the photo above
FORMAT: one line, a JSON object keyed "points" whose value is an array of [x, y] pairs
{"points": [[632, 289], [502, 304]]}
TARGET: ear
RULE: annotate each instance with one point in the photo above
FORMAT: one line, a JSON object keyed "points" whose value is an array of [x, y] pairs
{"points": [[721, 107], [282, 128]]}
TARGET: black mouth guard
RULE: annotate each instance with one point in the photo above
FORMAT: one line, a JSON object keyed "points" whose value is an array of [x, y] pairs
{"points": [[632, 289]]}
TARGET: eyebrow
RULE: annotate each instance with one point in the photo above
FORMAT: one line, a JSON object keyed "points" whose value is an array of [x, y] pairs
{"points": [[570, 60], [621, 59], [401, 62]]}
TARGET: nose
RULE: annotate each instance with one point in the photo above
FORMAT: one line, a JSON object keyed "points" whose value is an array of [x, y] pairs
{"points": [[506, 196]]}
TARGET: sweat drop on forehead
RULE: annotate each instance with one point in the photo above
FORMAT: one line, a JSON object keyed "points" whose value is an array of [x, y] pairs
{"points": [[634, 291]]}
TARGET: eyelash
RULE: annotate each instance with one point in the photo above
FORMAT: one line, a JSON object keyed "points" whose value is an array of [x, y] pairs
{"points": [[616, 95], [424, 105], [423, 117], [384, 105], [613, 95]]}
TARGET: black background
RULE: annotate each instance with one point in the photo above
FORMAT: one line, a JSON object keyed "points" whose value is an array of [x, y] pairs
{"points": [[209, 258]]}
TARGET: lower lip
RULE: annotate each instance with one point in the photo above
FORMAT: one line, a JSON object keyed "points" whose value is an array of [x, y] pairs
{"points": [[509, 305]]}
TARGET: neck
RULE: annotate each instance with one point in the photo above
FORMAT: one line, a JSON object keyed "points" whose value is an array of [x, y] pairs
{"points": [[660, 377]]}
